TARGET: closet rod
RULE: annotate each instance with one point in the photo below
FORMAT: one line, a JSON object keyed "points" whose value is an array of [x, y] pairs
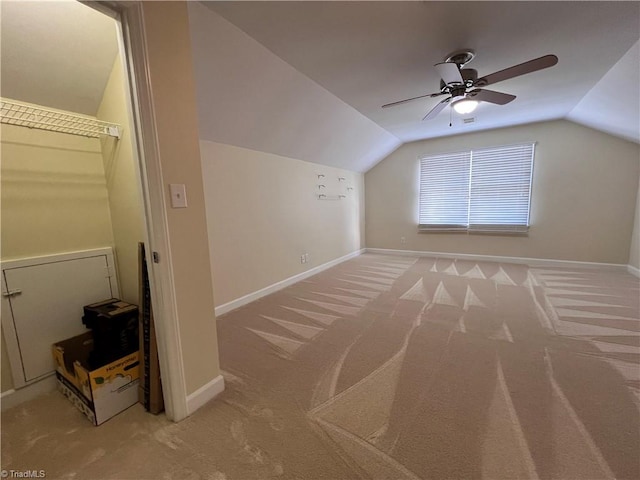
{"points": [[33, 116]]}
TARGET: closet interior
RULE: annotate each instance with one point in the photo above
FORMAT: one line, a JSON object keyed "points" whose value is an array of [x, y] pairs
{"points": [[71, 206]]}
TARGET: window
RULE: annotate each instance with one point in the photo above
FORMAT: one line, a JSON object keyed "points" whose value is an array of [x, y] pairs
{"points": [[485, 190]]}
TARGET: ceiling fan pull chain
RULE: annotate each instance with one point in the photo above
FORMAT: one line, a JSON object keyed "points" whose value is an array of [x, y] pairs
{"points": [[450, 118]]}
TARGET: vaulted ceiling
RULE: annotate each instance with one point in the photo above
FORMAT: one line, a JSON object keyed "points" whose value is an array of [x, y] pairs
{"points": [[307, 79], [366, 54], [372, 53]]}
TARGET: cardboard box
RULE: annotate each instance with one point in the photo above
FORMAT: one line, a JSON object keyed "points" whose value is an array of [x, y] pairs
{"points": [[102, 392]]}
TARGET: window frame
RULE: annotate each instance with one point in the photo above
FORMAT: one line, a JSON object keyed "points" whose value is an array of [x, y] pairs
{"points": [[479, 228]]}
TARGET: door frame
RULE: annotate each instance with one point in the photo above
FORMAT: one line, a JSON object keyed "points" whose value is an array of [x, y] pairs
{"points": [[133, 52]]}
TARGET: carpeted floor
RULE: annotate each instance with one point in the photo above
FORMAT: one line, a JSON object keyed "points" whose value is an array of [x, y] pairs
{"points": [[389, 367]]}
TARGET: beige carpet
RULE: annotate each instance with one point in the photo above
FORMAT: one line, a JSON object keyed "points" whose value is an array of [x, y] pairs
{"points": [[389, 367]]}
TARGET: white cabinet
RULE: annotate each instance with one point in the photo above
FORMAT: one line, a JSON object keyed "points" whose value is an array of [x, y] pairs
{"points": [[42, 304]]}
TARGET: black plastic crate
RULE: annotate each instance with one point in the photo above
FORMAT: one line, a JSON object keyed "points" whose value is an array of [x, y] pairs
{"points": [[114, 324]]}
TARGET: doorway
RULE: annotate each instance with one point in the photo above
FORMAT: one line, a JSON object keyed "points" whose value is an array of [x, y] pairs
{"points": [[115, 195]]}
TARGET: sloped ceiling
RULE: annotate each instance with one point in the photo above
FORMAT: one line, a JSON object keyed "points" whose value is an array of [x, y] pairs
{"points": [[612, 104], [366, 54], [249, 97], [306, 79], [56, 54]]}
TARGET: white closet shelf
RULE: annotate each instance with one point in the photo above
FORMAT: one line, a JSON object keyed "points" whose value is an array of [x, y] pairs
{"points": [[33, 116]]}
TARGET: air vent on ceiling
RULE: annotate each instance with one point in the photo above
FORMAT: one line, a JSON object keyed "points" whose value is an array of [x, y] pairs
{"points": [[469, 120]]}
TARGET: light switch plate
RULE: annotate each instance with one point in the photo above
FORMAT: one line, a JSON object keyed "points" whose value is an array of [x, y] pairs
{"points": [[178, 195]]}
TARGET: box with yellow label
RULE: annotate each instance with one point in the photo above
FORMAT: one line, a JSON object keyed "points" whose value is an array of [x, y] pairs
{"points": [[102, 392]]}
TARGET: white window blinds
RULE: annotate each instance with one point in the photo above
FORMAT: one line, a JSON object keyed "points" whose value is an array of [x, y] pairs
{"points": [[444, 190], [479, 190]]}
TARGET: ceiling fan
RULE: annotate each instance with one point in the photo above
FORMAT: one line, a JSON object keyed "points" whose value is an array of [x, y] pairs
{"points": [[464, 87]]}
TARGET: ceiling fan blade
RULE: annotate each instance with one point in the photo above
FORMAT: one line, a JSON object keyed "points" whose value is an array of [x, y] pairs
{"points": [[449, 72], [393, 104], [490, 96], [437, 109], [517, 70]]}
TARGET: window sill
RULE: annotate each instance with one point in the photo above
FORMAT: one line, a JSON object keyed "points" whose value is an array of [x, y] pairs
{"points": [[501, 233]]}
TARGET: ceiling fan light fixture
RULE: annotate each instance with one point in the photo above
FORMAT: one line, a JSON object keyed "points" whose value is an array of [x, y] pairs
{"points": [[465, 106]]}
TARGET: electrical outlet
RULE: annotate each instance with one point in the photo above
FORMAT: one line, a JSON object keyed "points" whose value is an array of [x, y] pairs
{"points": [[306, 258], [303, 259], [403, 240]]}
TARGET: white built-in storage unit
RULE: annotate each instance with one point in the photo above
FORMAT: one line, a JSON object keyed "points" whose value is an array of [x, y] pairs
{"points": [[42, 304]]}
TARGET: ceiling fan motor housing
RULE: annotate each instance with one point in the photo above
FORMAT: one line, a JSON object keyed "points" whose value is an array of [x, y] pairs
{"points": [[469, 75]]}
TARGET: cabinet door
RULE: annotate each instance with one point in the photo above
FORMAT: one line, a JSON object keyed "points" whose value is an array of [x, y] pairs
{"points": [[48, 307]]}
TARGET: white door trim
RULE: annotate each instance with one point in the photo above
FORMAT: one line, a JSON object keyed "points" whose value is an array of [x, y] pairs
{"points": [[133, 49]]}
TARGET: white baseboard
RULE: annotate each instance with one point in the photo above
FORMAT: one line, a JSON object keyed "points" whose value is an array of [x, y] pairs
{"points": [[11, 398], [534, 262], [633, 270], [251, 297], [204, 394]]}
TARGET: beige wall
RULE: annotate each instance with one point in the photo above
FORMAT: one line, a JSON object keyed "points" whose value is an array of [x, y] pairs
{"points": [[263, 214], [54, 194], [173, 95], [122, 184], [53, 199], [584, 192], [634, 252]]}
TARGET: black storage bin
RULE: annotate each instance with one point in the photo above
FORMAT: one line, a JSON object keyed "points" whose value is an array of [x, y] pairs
{"points": [[115, 330]]}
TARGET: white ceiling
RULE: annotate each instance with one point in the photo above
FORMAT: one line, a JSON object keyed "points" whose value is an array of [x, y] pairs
{"points": [[612, 104], [306, 79], [371, 53], [57, 54], [249, 97]]}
